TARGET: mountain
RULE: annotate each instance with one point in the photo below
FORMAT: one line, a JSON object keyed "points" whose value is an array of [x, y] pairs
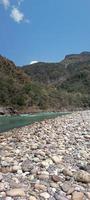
{"points": [[67, 82], [52, 73], [46, 86]]}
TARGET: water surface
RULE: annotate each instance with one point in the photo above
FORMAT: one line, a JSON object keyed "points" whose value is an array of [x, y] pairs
{"points": [[10, 122]]}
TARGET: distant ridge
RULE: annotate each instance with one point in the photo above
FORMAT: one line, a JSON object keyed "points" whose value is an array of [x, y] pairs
{"points": [[84, 53]]}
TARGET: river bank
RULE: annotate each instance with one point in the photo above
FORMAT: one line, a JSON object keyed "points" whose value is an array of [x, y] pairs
{"points": [[47, 160]]}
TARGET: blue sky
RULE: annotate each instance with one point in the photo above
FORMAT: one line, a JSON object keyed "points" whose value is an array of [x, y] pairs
{"points": [[43, 30]]}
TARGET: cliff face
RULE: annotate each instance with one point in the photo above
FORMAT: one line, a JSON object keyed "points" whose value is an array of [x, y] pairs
{"points": [[76, 58], [46, 86]]}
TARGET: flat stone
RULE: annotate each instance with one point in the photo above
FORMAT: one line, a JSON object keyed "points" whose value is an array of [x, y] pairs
{"points": [[43, 176], [57, 159], [53, 185], [45, 195], [32, 198], [16, 192], [55, 178], [66, 186], [77, 195], [70, 191], [82, 176], [67, 172], [40, 187]]}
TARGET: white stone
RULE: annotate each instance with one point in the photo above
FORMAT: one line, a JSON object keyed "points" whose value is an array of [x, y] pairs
{"points": [[47, 162], [45, 195], [15, 192], [57, 159], [32, 198], [8, 198], [2, 194], [16, 168], [1, 176]]}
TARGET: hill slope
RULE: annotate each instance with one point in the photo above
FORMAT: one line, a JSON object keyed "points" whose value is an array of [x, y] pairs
{"points": [[52, 73], [16, 88], [46, 86], [67, 82], [12, 81]]}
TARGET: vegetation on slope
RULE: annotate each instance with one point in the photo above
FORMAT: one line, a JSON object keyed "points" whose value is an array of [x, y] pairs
{"points": [[16, 88], [46, 86], [67, 83]]}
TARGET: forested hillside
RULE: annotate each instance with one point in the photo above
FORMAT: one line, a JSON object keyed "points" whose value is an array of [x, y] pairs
{"points": [[46, 86]]}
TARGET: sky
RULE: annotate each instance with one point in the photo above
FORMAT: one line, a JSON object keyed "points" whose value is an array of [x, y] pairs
{"points": [[43, 30]]}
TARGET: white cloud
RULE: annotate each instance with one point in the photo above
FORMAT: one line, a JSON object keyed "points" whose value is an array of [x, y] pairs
{"points": [[19, 2], [33, 62], [5, 3], [17, 15]]}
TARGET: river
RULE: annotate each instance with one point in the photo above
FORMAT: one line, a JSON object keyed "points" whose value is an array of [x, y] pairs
{"points": [[9, 122]]}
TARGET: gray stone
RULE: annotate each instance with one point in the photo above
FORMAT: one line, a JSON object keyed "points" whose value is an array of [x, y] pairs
{"points": [[59, 197], [27, 166], [66, 186], [51, 198]]}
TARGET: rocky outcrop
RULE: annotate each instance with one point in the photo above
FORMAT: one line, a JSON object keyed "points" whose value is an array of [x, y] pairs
{"points": [[77, 58], [8, 111]]}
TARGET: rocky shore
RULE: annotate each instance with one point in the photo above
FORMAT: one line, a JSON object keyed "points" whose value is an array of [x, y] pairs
{"points": [[8, 111], [49, 160]]}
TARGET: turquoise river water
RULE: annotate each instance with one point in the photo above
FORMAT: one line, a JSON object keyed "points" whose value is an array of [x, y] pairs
{"points": [[9, 122]]}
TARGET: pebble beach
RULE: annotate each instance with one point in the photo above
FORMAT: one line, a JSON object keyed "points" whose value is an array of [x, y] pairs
{"points": [[49, 160]]}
